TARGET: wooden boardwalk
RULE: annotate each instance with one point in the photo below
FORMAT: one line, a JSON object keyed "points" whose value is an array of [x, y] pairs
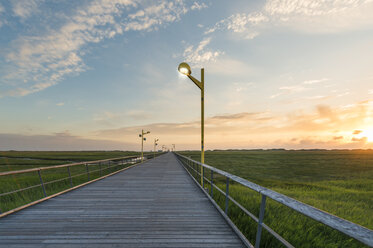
{"points": [[155, 204]]}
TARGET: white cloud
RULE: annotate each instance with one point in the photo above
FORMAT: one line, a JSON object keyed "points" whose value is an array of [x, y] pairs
{"points": [[42, 61], [310, 7], [25, 8], [198, 6], [200, 54], [311, 16], [60, 104], [315, 81], [245, 24]]}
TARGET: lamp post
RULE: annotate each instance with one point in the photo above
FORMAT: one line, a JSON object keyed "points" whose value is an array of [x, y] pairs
{"points": [[142, 143], [173, 147], [155, 145], [184, 68]]}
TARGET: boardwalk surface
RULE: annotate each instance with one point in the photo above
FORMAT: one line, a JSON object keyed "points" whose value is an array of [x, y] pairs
{"points": [[155, 204]]}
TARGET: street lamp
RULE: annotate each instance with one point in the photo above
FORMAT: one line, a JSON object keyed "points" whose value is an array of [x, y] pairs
{"points": [[142, 143], [184, 68], [155, 145]]}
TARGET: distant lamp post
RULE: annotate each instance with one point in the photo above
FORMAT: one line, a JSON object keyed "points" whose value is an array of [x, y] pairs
{"points": [[155, 145], [184, 68], [142, 142], [173, 147]]}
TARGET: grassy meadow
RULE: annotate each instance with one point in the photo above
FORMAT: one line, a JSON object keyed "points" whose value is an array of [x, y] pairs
{"points": [[339, 182], [55, 180]]}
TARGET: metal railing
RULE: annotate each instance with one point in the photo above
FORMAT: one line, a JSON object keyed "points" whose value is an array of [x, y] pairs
{"points": [[360, 233], [103, 168]]}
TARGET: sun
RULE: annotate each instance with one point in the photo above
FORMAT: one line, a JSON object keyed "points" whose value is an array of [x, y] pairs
{"points": [[367, 133]]}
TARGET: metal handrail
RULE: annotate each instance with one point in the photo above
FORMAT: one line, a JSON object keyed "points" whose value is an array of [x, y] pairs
{"points": [[65, 165], [351, 229], [117, 161]]}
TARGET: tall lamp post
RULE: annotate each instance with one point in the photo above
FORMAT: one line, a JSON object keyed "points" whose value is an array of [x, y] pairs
{"points": [[142, 143], [184, 68], [155, 145]]}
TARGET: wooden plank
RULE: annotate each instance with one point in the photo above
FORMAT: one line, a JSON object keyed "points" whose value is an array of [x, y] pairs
{"points": [[155, 204]]}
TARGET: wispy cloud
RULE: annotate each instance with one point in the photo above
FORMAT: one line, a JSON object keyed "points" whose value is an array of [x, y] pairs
{"points": [[245, 24], [38, 62], [200, 54], [315, 81], [25, 8], [324, 127], [311, 16]]}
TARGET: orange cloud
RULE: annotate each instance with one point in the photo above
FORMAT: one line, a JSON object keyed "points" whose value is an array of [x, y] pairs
{"points": [[325, 127]]}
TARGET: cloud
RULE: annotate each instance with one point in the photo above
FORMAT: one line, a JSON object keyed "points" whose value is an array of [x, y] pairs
{"points": [[199, 55], [25, 8], [287, 90], [310, 16], [198, 6], [244, 24], [362, 139], [315, 81], [357, 131], [38, 62], [60, 104], [325, 127]]}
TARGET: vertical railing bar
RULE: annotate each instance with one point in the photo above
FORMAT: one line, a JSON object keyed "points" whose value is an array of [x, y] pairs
{"points": [[212, 184], [86, 166], [227, 196], [71, 180], [99, 164], [260, 222], [42, 183], [203, 177]]}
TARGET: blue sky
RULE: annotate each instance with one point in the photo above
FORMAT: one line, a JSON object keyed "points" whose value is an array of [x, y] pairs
{"points": [[91, 74]]}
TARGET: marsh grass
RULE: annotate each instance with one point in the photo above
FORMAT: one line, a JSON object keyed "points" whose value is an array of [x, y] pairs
{"points": [[55, 180], [339, 182]]}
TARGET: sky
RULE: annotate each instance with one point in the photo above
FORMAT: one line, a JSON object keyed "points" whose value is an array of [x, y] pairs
{"points": [[90, 75]]}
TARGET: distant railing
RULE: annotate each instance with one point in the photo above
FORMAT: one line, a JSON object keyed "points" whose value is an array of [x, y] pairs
{"points": [[353, 230], [101, 168]]}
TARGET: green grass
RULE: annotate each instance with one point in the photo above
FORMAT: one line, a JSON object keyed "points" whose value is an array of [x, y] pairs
{"points": [[15, 160], [339, 182]]}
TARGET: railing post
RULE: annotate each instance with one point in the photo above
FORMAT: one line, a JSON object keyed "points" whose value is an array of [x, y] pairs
{"points": [[212, 184], [71, 180], [203, 177], [42, 184], [226, 196], [260, 222], [99, 164], [86, 166]]}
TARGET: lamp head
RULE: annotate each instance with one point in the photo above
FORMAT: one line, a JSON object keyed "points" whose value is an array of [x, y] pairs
{"points": [[184, 68]]}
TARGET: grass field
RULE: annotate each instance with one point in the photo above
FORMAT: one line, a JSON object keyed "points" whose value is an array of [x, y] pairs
{"points": [[55, 180], [339, 182]]}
